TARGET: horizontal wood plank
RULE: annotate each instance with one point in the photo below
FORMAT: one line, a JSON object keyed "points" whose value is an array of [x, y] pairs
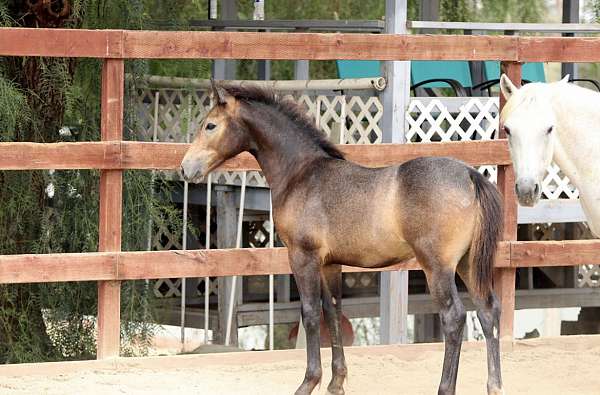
{"points": [[60, 156], [311, 46], [315, 46], [165, 264], [167, 156], [554, 253], [15, 41], [34, 268], [559, 49]]}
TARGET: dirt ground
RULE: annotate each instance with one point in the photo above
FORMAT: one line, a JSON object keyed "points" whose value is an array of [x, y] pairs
{"points": [[566, 365]]}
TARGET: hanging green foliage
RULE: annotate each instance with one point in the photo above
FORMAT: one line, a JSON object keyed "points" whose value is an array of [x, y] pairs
{"points": [[53, 100]]}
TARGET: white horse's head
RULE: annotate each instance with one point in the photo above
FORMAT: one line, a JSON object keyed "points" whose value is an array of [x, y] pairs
{"points": [[529, 123]]}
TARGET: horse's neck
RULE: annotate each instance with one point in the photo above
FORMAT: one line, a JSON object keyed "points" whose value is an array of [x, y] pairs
{"points": [[281, 151], [577, 146], [577, 141]]}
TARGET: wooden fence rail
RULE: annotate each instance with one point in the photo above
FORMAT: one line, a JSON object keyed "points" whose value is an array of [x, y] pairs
{"points": [[136, 265], [112, 155], [167, 156], [122, 44]]}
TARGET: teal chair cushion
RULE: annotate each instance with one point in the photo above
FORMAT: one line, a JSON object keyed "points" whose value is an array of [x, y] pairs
{"points": [[422, 70], [358, 68], [533, 72]]}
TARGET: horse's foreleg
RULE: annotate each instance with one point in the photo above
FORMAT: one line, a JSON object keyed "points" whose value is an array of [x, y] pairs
{"points": [[305, 266], [331, 294], [488, 312], [452, 314]]}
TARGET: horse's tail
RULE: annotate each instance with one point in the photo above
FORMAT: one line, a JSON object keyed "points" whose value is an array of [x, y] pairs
{"points": [[488, 229]]}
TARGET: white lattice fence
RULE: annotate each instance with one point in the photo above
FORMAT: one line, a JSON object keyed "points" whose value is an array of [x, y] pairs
{"points": [[440, 119]]}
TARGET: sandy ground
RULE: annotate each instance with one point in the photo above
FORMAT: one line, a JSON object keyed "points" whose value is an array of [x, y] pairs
{"points": [[566, 365]]}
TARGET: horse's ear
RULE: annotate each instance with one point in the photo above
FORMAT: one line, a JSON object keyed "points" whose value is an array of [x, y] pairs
{"points": [[565, 79], [218, 93], [507, 87]]}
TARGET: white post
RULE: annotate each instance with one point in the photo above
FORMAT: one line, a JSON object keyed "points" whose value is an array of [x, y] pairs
{"points": [[393, 293], [238, 244], [271, 279], [184, 235], [207, 246]]}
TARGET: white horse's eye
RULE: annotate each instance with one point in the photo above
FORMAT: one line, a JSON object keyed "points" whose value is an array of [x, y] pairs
{"points": [[550, 129]]}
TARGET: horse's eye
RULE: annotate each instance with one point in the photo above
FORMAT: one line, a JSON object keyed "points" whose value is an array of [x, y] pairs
{"points": [[507, 131], [550, 129], [210, 126]]}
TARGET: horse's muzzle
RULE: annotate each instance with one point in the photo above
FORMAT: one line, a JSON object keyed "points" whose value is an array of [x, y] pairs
{"points": [[528, 191], [192, 170]]}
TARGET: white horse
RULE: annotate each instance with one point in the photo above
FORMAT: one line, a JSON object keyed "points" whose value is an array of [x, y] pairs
{"points": [[560, 121]]}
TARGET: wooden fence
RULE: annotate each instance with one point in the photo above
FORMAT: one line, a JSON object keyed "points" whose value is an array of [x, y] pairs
{"points": [[109, 266]]}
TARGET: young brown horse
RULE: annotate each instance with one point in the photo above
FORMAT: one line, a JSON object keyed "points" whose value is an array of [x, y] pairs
{"points": [[329, 212]]}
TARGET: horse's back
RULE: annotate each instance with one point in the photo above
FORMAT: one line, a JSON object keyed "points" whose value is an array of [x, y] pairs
{"points": [[372, 217]]}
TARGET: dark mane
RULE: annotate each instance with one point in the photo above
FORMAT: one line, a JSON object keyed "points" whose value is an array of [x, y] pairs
{"points": [[289, 108]]}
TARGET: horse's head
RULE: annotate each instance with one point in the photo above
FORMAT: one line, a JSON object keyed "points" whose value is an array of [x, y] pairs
{"points": [[529, 122], [221, 136]]}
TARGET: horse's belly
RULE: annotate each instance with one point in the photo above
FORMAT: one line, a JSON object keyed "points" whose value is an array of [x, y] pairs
{"points": [[371, 254]]}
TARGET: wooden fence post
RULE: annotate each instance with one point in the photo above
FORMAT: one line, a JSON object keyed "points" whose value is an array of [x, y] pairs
{"points": [[504, 279], [111, 197]]}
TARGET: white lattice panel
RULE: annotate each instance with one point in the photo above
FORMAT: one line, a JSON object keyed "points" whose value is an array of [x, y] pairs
{"points": [[588, 276], [477, 119], [364, 118]]}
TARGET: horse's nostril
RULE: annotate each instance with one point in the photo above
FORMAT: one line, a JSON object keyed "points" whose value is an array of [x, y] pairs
{"points": [[536, 189], [517, 189]]}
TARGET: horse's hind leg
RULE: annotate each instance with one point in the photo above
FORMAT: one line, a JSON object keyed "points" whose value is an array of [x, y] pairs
{"points": [[488, 312], [440, 278], [305, 266], [331, 295]]}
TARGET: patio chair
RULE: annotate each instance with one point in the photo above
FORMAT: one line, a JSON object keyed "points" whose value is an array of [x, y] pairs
{"points": [[424, 74], [531, 72]]}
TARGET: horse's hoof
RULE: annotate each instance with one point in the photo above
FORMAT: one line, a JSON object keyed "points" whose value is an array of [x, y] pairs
{"points": [[308, 385], [496, 391], [335, 390]]}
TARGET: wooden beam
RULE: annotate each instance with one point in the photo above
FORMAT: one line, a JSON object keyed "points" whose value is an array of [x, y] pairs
{"points": [[504, 279], [167, 156], [17, 41], [217, 263], [251, 45], [136, 265], [111, 197], [292, 46], [60, 156], [559, 49], [32, 268], [554, 253], [315, 46]]}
